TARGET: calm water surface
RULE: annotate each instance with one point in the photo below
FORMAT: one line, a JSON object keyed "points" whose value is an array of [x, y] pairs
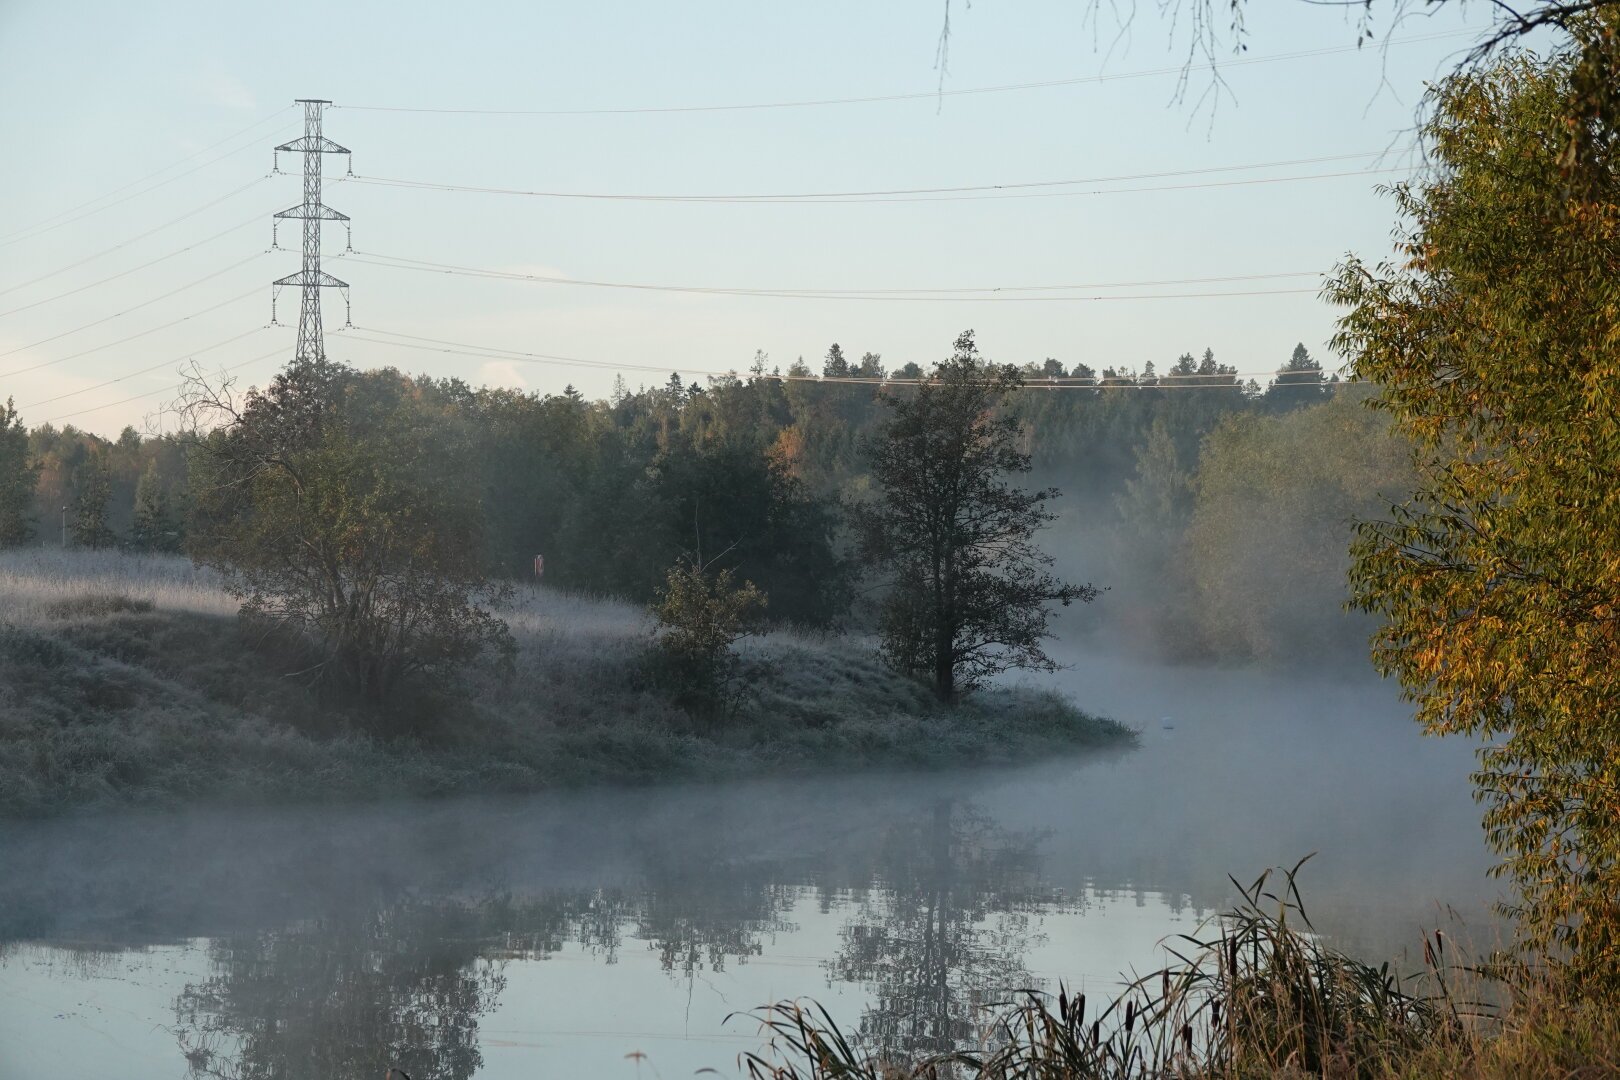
{"points": [[552, 936]]}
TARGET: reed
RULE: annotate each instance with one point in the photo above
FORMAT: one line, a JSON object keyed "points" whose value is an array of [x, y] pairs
{"points": [[1255, 992]]}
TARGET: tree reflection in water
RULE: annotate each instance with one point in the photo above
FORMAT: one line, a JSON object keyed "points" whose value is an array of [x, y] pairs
{"points": [[945, 931], [940, 921], [402, 985]]}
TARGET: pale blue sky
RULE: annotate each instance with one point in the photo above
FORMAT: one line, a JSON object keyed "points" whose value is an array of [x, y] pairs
{"points": [[101, 94]]}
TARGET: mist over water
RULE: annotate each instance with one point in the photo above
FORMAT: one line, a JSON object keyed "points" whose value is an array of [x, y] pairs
{"points": [[554, 934]]}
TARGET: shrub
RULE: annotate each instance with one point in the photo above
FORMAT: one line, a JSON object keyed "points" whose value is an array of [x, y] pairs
{"points": [[701, 615]]}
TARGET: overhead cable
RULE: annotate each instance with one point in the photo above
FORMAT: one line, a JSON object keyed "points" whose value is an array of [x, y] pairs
{"points": [[255, 219], [146, 371], [963, 193], [256, 290], [134, 307], [142, 236], [918, 95], [955, 295], [442, 345], [154, 393], [50, 224]]}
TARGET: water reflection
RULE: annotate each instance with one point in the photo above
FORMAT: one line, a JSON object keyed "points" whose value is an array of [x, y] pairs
{"points": [[555, 933], [342, 996], [947, 932], [938, 914]]}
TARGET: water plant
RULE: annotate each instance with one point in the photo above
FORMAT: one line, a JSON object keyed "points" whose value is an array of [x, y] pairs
{"points": [[1254, 992]]}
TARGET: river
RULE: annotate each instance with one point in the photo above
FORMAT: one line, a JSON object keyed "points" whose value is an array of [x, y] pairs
{"points": [[608, 933]]}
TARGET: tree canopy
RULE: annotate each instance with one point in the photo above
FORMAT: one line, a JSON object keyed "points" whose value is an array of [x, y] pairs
{"points": [[1494, 342], [970, 589], [338, 505], [18, 475]]}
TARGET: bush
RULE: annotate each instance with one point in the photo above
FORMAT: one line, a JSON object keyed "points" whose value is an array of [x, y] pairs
{"points": [[701, 615]]}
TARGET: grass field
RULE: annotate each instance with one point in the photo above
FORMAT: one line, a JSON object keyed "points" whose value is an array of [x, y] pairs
{"points": [[128, 679]]}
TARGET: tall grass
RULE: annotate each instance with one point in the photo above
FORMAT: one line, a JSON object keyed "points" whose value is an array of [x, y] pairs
{"points": [[35, 583], [1255, 993]]}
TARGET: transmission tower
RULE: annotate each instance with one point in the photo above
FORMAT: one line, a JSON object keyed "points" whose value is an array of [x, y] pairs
{"points": [[311, 279]]}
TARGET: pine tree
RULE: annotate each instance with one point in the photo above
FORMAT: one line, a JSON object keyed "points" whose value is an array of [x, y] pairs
{"points": [[92, 492], [17, 478], [1298, 382], [835, 367], [154, 527]]}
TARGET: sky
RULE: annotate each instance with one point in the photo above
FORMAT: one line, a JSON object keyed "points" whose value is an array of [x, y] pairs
{"points": [[140, 195]]}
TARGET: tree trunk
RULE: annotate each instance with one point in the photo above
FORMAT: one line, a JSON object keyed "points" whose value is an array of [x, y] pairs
{"points": [[944, 669]]}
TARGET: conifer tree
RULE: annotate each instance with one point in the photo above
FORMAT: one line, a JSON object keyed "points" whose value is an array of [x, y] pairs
{"points": [[18, 475], [92, 492]]}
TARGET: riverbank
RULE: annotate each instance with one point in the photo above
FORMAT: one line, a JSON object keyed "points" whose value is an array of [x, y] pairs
{"points": [[128, 680]]}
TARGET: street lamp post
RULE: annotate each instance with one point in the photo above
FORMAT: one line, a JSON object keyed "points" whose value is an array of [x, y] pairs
{"points": [[64, 528]]}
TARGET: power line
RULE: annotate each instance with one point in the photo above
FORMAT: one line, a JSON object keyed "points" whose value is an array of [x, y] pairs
{"points": [[125, 243], [914, 95], [965, 193], [423, 266], [135, 307], [51, 223], [442, 345], [148, 370], [86, 352], [154, 393], [134, 269]]}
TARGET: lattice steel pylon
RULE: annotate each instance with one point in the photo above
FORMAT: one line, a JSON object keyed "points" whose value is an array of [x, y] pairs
{"points": [[312, 212]]}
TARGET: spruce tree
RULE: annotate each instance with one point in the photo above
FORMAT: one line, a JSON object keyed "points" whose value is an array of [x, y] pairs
{"points": [[17, 478], [92, 492]]}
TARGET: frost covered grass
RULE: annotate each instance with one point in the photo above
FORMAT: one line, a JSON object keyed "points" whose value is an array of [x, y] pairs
{"points": [[128, 679]]}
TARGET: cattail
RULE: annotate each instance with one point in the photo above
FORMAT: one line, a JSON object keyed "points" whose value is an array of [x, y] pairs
{"points": [[1130, 1016], [1214, 1014], [1186, 1038], [1063, 1005], [1096, 1030], [1080, 1009], [1233, 965], [1164, 984]]}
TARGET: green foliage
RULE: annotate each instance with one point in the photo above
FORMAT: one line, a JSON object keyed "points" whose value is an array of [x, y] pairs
{"points": [[1299, 381], [92, 490], [155, 527], [1265, 551], [969, 589], [18, 476], [117, 690], [612, 493], [701, 614], [340, 506], [1496, 344]]}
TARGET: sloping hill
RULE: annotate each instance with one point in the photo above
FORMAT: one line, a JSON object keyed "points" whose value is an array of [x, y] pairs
{"points": [[128, 679]]}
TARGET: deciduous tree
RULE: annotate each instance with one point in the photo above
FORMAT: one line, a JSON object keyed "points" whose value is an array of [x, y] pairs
{"points": [[1496, 343], [969, 587], [340, 504]]}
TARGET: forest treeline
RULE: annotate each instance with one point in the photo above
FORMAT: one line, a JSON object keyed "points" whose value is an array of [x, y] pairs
{"points": [[1216, 512]]}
